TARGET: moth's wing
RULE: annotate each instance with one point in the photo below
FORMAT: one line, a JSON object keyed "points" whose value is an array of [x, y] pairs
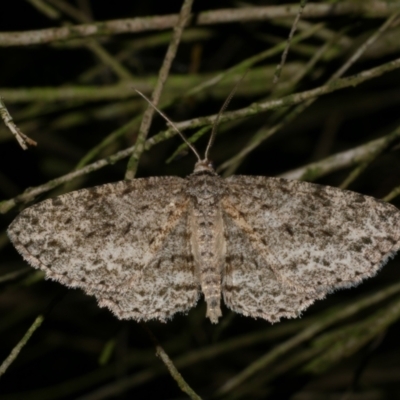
{"points": [[126, 243], [250, 286], [316, 238]]}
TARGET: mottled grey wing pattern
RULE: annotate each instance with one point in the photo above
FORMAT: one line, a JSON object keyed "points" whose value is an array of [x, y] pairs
{"points": [[316, 238], [126, 243], [251, 287]]}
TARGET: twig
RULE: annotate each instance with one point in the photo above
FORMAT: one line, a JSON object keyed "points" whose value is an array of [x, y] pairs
{"points": [[30, 194], [309, 328], [376, 9], [319, 54], [137, 357], [23, 140], [298, 98], [253, 109], [345, 341], [231, 165], [325, 34], [280, 369], [362, 49], [372, 155], [393, 194], [70, 10], [289, 39], [253, 74], [344, 159], [15, 351], [140, 43], [91, 154], [11, 276], [44, 8], [309, 332], [110, 61], [249, 62], [360, 168], [162, 77], [332, 80], [107, 352], [93, 45], [230, 76], [160, 352]]}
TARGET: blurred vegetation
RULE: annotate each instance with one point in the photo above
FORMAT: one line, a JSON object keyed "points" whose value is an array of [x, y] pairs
{"points": [[75, 97]]}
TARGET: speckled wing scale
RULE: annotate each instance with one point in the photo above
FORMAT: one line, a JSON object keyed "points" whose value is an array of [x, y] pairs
{"points": [[269, 247], [303, 241], [126, 243]]}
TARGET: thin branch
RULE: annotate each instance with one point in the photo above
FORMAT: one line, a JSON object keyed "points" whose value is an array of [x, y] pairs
{"points": [[23, 140], [370, 157], [252, 76], [298, 98], [93, 45], [230, 77], [30, 194], [249, 62], [364, 47], [367, 9], [184, 16], [220, 112], [16, 350], [170, 366], [319, 54], [70, 10], [14, 275], [280, 369], [112, 137], [109, 60], [393, 194], [44, 8], [231, 165], [253, 109], [306, 334], [286, 51], [331, 81], [372, 39], [344, 159], [345, 341], [325, 34], [143, 357], [308, 328]]}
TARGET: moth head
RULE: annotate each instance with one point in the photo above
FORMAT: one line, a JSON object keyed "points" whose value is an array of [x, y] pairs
{"points": [[203, 165]]}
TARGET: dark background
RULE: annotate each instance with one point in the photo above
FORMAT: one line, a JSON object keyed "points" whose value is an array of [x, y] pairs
{"points": [[61, 360]]}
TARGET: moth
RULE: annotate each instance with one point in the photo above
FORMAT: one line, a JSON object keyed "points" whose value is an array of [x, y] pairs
{"points": [[148, 248]]}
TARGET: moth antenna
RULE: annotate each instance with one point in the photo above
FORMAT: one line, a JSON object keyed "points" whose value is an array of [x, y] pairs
{"points": [[221, 111], [172, 125]]}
